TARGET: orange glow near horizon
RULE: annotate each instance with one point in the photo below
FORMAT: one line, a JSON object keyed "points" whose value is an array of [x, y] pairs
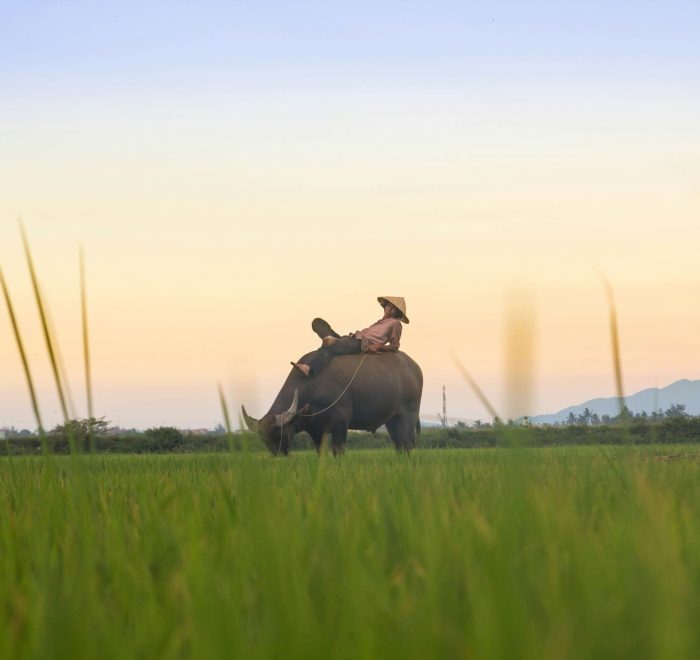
{"points": [[167, 327]]}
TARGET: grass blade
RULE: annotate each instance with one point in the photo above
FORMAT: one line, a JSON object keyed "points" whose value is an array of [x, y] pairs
{"points": [[520, 331], [475, 388], [22, 354], [44, 324], [227, 417], [86, 337], [617, 367], [615, 340]]}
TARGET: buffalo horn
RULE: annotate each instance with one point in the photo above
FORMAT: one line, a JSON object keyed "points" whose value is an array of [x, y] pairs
{"points": [[253, 424], [293, 408], [288, 415]]}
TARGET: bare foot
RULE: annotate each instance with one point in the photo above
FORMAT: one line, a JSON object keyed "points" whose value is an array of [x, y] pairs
{"points": [[304, 368]]}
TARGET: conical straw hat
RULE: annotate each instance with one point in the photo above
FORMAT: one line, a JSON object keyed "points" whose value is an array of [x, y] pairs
{"points": [[397, 302]]}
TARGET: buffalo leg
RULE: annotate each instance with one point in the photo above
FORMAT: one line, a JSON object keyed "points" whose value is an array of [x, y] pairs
{"points": [[339, 435], [317, 439], [402, 431]]}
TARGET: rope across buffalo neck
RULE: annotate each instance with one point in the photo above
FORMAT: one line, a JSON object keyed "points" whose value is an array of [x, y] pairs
{"points": [[341, 394]]}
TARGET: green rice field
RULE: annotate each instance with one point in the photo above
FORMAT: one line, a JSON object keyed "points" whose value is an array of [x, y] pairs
{"points": [[571, 552]]}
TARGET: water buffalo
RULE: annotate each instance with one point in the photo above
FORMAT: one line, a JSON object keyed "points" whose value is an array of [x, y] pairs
{"points": [[386, 390]]}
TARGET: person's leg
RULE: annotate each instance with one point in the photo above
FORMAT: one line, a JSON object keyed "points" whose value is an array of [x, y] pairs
{"points": [[315, 362], [319, 359], [345, 346], [323, 329]]}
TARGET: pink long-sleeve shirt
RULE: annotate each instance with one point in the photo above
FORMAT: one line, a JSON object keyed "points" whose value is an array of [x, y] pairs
{"points": [[382, 332]]}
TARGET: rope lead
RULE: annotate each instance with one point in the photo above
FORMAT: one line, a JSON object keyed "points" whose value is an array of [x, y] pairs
{"points": [[341, 394]]}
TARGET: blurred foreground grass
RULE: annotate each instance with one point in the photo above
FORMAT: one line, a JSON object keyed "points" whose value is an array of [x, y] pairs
{"points": [[496, 553]]}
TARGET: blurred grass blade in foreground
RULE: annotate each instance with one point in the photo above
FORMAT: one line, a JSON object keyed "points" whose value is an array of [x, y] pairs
{"points": [[615, 341], [50, 343], [475, 387], [22, 354], [519, 330], [86, 336], [227, 417]]}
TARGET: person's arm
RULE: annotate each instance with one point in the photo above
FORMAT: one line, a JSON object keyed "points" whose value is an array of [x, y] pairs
{"points": [[379, 348], [394, 338]]}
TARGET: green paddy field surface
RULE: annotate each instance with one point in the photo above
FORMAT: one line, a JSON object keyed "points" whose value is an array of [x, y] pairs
{"points": [[568, 552]]}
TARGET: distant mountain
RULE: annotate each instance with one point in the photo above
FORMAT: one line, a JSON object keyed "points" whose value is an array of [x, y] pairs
{"points": [[682, 391]]}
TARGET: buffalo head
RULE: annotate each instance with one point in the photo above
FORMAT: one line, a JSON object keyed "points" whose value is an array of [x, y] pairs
{"points": [[277, 430]]}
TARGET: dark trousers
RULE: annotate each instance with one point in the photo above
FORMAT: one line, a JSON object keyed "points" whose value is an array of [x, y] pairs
{"points": [[319, 359]]}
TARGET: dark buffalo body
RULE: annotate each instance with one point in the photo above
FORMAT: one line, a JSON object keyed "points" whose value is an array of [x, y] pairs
{"points": [[386, 389]]}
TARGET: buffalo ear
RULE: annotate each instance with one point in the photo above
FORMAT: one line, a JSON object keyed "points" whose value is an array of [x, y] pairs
{"points": [[305, 410]]}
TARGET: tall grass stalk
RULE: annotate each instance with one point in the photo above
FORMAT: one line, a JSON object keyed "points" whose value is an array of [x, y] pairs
{"points": [[475, 388], [511, 436], [86, 347], [227, 417], [615, 342], [62, 371], [45, 326], [23, 356], [86, 336], [519, 337]]}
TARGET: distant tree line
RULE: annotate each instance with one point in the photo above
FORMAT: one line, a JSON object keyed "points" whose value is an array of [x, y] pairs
{"points": [[590, 418], [96, 435], [672, 426], [634, 430]]}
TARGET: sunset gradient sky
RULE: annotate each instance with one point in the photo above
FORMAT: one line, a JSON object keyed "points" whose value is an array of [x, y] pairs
{"points": [[235, 169]]}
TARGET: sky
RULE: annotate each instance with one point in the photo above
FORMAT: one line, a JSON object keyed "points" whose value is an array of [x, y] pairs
{"points": [[233, 170]]}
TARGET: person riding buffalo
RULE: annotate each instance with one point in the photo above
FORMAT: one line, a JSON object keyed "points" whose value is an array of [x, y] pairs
{"points": [[380, 337]]}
